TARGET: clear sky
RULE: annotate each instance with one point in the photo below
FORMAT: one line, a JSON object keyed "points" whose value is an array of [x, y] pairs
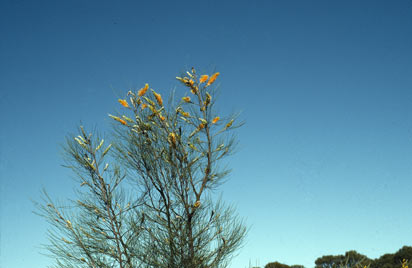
{"points": [[324, 163]]}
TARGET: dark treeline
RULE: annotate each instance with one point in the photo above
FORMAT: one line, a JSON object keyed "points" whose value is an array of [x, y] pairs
{"points": [[353, 259]]}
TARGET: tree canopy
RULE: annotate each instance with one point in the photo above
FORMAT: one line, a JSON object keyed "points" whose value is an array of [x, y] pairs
{"points": [[145, 198], [353, 259]]}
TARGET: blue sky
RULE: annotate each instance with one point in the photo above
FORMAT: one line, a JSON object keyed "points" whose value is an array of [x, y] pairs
{"points": [[324, 163]]}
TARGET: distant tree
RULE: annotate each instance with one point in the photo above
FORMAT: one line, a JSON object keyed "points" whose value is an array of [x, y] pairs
{"points": [[167, 220], [276, 265], [329, 261], [384, 261], [405, 253], [350, 259], [393, 260], [355, 259]]}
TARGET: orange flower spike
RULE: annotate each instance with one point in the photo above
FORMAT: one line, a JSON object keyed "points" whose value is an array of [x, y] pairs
{"points": [[201, 126], [191, 82], [118, 119], [121, 121], [186, 99], [124, 103], [213, 78], [214, 121], [143, 91], [158, 98], [144, 106], [203, 78], [185, 114], [162, 118]]}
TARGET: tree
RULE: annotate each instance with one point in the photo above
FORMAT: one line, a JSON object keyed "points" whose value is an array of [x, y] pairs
{"points": [[281, 265], [168, 219], [393, 260], [276, 265], [329, 261], [350, 259], [355, 259]]}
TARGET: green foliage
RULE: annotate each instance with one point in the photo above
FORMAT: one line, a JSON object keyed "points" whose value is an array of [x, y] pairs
{"points": [[276, 265], [393, 260], [329, 261], [353, 259], [281, 265], [350, 259]]}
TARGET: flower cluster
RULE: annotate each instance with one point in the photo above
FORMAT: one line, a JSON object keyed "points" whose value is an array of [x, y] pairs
{"points": [[201, 120], [405, 263], [197, 86]]}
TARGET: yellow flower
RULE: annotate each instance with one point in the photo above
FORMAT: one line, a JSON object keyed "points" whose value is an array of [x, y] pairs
{"points": [[162, 118], [186, 99], [142, 91], [192, 146], [185, 114], [197, 204], [208, 99], [118, 119], [158, 98], [191, 82], [154, 111], [124, 103], [194, 90], [203, 78], [229, 124], [214, 121], [144, 106], [212, 78], [122, 121], [201, 126], [172, 138]]}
